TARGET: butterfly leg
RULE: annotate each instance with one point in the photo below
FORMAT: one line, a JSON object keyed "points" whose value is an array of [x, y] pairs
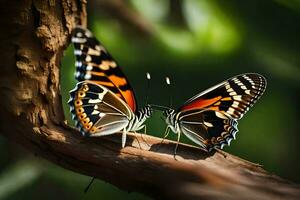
{"points": [[176, 147], [137, 139], [167, 131], [145, 133], [145, 129], [124, 137]]}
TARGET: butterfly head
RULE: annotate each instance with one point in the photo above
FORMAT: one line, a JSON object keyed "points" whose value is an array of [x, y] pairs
{"points": [[169, 112], [169, 115]]}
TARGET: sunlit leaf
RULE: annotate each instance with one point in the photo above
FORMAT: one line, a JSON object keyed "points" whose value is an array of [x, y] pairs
{"points": [[153, 10], [213, 29], [178, 40]]}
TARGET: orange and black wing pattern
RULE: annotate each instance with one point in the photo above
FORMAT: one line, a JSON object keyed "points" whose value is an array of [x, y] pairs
{"points": [[96, 110], [210, 118], [95, 64], [232, 97]]}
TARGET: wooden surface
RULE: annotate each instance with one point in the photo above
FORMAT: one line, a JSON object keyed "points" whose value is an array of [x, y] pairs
{"points": [[36, 33]]}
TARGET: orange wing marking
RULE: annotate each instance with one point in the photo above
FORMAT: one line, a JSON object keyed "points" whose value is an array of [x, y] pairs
{"points": [[201, 103], [128, 95], [117, 80], [226, 99], [98, 73]]}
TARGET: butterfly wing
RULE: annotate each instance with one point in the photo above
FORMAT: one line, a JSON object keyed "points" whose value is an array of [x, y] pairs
{"points": [[232, 97], [97, 111], [94, 63], [210, 118], [207, 128]]}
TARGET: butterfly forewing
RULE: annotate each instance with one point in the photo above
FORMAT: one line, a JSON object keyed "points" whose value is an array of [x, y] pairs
{"points": [[95, 64], [97, 110], [232, 97], [210, 118]]}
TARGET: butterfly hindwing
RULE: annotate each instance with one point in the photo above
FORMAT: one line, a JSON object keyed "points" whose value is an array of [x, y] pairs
{"points": [[207, 128], [98, 111], [94, 63]]}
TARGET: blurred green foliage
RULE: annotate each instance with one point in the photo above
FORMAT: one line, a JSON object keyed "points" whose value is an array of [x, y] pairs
{"points": [[212, 41]]}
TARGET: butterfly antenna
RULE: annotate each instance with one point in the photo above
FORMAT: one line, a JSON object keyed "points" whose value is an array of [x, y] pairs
{"points": [[89, 185], [159, 107], [148, 76], [168, 82]]}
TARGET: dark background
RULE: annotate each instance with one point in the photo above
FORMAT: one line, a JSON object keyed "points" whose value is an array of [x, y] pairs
{"points": [[197, 44]]}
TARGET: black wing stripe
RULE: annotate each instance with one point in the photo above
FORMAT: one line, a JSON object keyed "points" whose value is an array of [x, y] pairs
{"points": [[217, 122]]}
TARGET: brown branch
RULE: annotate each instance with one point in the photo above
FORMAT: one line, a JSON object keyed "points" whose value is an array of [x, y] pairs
{"points": [[120, 10], [31, 114]]}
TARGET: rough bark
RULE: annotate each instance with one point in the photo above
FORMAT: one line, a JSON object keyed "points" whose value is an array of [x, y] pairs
{"points": [[34, 35]]}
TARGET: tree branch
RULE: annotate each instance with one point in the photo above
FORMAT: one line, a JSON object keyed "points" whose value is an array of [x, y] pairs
{"points": [[31, 115], [128, 17]]}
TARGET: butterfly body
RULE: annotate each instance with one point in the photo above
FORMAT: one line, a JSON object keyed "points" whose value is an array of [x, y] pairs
{"points": [[210, 118], [103, 102], [137, 122]]}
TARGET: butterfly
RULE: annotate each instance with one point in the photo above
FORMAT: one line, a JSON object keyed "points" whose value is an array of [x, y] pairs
{"points": [[103, 102], [210, 118]]}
